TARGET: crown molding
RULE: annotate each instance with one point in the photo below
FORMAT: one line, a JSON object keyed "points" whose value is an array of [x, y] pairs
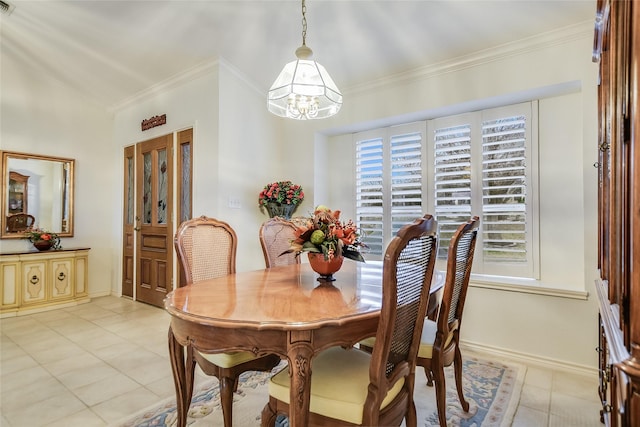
{"points": [[485, 56], [172, 82], [183, 77]]}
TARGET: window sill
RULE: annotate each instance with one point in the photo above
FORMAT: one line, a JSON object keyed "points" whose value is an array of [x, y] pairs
{"points": [[527, 286]]}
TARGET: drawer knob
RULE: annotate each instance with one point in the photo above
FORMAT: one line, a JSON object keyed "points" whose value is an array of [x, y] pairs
{"points": [[34, 279], [61, 276]]}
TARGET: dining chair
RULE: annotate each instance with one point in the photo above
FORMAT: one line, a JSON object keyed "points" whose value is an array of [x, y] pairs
{"points": [[206, 249], [350, 386], [19, 222], [276, 235], [440, 342]]}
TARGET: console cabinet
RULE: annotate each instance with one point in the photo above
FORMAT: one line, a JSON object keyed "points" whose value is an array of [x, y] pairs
{"points": [[617, 51], [37, 281]]}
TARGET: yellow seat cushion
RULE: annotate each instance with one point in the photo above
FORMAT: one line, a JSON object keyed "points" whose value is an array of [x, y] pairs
{"points": [[228, 360], [369, 342], [339, 384], [428, 337]]}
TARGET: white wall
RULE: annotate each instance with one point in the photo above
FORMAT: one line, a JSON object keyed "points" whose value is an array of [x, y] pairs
{"points": [[41, 116], [235, 151], [558, 66], [552, 327], [250, 156], [239, 147]]}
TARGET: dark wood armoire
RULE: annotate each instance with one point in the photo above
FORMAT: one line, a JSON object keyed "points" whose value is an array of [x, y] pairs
{"points": [[617, 52]]}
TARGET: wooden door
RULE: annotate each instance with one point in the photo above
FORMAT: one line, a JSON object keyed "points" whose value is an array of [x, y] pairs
{"points": [[128, 221], [184, 187], [154, 253]]}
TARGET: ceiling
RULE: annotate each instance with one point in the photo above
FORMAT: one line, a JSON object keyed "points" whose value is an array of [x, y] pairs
{"points": [[112, 50]]}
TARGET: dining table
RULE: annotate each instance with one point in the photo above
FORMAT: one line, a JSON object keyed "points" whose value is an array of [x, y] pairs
{"points": [[283, 310]]}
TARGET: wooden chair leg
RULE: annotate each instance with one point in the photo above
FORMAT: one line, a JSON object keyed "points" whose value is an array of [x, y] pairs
{"points": [[411, 417], [226, 399], [441, 394], [457, 365], [427, 373], [269, 415]]}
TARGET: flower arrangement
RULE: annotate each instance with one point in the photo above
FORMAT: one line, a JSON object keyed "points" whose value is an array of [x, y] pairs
{"points": [[38, 235], [324, 233], [282, 192]]}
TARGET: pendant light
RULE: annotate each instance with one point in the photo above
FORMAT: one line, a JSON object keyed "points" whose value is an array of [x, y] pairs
{"points": [[304, 90]]}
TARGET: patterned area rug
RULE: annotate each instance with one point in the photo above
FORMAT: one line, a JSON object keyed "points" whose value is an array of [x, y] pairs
{"points": [[491, 388]]}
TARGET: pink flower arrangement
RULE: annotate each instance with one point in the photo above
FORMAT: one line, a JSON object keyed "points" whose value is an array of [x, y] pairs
{"points": [[281, 192]]}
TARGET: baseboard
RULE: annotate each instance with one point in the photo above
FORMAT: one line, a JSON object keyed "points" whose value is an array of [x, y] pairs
{"points": [[99, 294], [530, 359], [55, 305]]}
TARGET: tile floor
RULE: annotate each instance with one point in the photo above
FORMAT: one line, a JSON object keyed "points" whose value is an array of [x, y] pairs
{"points": [[97, 363]]}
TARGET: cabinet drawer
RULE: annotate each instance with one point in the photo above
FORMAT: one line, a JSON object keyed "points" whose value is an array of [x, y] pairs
{"points": [[81, 276], [61, 279], [34, 279], [9, 276]]}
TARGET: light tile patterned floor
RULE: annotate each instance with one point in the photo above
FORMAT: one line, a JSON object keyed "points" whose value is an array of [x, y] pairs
{"points": [[96, 363]]}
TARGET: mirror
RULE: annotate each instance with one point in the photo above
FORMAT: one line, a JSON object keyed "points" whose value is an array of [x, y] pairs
{"points": [[36, 189]]}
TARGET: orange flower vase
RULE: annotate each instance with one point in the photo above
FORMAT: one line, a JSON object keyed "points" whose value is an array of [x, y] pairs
{"points": [[43, 245], [325, 268]]}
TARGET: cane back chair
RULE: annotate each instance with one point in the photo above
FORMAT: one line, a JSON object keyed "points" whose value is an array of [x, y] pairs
{"points": [[440, 342], [206, 249], [276, 235], [353, 387], [20, 222]]}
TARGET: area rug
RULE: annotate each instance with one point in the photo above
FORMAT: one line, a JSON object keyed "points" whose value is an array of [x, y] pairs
{"points": [[491, 388]]}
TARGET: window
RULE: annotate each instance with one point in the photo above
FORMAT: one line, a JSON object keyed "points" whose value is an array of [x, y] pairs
{"points": [[406, 178], [452, 181], [389, 186], [481, 163], [369, 202], [504, 189]]}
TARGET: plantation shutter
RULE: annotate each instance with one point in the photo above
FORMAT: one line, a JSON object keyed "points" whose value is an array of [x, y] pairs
{"points": [[406, 179], [389, 190], [504, 189], [479, 163], [452, 181], [369, 192]]}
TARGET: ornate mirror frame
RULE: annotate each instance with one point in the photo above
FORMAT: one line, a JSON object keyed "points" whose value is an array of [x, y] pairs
{"points": [[41, 186]]}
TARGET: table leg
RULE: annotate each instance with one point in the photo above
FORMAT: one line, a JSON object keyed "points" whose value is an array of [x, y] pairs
{"points": [[299, 355], [183, 372]]}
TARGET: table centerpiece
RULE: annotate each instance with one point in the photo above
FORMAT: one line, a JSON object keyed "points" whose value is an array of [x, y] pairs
{"points": [[327, 241]]}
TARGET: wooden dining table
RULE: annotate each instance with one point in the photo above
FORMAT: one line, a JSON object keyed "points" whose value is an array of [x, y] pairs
{"points": [[282, 310]]}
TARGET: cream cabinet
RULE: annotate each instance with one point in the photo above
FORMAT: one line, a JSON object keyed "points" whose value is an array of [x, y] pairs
{"points": [[37, 281]]}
